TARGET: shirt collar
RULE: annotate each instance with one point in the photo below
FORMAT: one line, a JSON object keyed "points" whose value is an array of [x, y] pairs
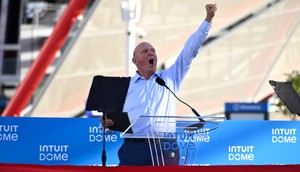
{"points": [[137, 76]]}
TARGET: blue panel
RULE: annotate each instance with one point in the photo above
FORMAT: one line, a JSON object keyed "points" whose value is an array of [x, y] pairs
{"points": [[247, 107], [72, 141], [78, 141]]}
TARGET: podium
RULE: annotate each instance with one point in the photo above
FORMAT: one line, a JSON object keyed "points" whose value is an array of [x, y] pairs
{"points": [[173, 140], [107, 95]]}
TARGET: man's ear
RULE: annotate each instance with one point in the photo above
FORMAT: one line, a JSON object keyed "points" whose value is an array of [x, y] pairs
{"points": [[133, 60]]}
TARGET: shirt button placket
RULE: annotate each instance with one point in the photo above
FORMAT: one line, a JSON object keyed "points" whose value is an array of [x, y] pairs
{"points": [[150, 111]]}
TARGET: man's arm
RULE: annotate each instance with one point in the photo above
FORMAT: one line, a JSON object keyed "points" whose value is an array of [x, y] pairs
{"points": [[190, 50]]}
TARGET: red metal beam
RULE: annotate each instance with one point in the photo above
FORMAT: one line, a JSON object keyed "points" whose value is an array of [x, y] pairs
{"points": [[37, 71]]}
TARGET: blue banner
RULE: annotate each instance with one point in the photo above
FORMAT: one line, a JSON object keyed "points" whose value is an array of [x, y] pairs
{"points": [[79, 141], [247, 107], [55, 141]]}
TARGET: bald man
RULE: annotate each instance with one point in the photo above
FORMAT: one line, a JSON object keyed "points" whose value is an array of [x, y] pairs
{"points": [[146, 97]]}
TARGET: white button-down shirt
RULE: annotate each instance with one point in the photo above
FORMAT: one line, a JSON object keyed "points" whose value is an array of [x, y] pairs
{"points": [[147, 98]]}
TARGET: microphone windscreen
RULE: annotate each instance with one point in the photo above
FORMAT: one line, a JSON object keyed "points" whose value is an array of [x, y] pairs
{"points": [[160, 81]]}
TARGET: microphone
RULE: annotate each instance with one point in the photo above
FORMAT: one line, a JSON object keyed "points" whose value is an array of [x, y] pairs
{"points": [[161, 82]]}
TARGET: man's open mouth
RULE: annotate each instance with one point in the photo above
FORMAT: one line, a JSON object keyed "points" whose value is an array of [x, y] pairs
{"points": [[151, 61]]}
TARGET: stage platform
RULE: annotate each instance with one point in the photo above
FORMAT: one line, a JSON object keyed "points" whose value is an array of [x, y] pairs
{"points": [[231, 168]]}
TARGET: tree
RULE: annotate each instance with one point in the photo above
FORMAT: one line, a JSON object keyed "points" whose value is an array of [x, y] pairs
{"points": [[294, 78]]}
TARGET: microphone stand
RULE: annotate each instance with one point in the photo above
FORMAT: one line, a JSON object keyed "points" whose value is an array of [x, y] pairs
{"points": [[193, 110], [161, 82]]}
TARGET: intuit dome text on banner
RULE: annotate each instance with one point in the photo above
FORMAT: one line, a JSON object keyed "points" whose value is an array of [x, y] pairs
{"points": [[9, 133]]}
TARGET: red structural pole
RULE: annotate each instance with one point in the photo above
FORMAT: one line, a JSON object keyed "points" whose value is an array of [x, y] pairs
{"points": [[37, 71]]}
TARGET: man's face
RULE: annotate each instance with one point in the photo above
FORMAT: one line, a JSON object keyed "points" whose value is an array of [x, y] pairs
{"points": [[145, 58]]}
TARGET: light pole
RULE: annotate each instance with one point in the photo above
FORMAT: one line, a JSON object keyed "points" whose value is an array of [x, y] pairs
{"points": [[130, 10]]}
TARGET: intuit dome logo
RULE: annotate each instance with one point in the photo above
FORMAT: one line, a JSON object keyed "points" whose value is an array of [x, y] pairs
{"points": [[240, 153], [9, 133], [185, 140], [95, 134], [53, 153], [284, 135]]}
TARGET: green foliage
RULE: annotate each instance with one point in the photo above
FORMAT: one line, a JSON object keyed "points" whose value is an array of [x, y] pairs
{"points": [[294, 78]]}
